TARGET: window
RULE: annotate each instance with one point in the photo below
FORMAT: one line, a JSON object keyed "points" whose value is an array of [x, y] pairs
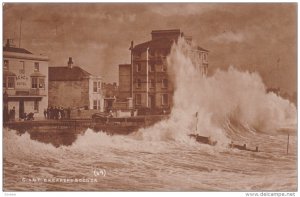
{"points": [[5, 64], [163, 67], [10, 82], [152, 67], [34, 82], [138, 54], [152, 83], [36, 106], [99, 106], [22, 70], [95, 104], [138, 99], [99, 85], [138, 68], [41, 83], [152, 52], [138, 83], [165, 99], [4, 82], [36, 67], [95, 89], [164, 83]]}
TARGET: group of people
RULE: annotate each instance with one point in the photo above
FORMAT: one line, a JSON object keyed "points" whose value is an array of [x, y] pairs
{"points": [[57, 113]]}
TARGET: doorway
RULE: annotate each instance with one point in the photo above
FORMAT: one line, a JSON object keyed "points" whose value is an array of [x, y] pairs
{"points": [[21, 108]]}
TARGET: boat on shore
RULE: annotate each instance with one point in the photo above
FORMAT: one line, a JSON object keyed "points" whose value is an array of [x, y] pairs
{"points": [[203, 139], [207, 140], [199, 138]]}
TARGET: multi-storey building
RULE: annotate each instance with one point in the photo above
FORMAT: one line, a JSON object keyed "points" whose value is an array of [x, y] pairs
{"points": [[146, 79], [25, 81], [71, 86]]}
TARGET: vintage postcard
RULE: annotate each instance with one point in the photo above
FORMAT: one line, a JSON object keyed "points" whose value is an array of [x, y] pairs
{"points": [[150, 97]]}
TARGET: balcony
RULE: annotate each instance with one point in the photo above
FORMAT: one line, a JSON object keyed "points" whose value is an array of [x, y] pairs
{"points": [[41, 92]]}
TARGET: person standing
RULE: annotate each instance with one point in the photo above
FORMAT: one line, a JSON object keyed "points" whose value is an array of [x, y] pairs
{"points": [[45, 113], [13, 113]]}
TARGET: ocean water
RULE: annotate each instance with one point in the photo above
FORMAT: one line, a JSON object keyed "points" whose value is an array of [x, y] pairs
{"points": [[132, 163]]}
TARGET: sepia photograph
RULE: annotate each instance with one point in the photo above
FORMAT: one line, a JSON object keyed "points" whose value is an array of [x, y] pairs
{"points": [[152, 97]]}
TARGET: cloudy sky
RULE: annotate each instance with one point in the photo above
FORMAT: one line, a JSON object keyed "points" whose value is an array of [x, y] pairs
{"points": [[261, 37]]}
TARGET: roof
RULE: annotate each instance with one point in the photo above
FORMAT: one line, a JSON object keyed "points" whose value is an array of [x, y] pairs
{"points": [[166, 31], [65, 73], [201, 49], [125, 65], [16, 50], [157, 43]]}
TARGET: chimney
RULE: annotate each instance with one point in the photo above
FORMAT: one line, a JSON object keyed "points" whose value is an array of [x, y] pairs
{"points": [[7, 43], [70, 62]]}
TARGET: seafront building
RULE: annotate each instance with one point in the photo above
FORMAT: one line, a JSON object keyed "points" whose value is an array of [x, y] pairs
{"points": [[146, 80], [25, 81], [72, 87]]}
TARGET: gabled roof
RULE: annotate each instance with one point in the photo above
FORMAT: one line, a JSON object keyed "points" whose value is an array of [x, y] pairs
{"points": [[65, 73], [201, 49], [16, 50]]}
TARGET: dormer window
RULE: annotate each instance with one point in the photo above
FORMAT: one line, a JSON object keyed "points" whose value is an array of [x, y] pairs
{"points": [[36, 67], [205, 56]]}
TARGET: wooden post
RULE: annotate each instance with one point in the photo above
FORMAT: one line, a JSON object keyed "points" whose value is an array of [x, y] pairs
{"points": [[287, 147]]}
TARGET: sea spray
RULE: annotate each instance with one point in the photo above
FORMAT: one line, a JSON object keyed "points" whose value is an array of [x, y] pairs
{"points": [[224, 96]]}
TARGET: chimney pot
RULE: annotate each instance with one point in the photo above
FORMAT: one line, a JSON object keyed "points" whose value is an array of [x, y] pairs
{"points": [[70, 62]]}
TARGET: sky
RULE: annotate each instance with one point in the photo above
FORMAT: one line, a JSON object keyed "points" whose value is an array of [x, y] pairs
{"points": [[251, 37]]}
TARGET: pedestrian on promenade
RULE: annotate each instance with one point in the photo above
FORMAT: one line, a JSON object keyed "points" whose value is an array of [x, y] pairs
{"points": [[45, 113]]}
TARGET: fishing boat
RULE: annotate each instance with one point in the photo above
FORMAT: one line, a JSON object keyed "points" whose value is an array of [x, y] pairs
{"points": [[207, 140], [242, 147], [202, 139]]}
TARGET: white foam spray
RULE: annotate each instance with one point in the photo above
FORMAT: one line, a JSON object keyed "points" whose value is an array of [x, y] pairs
{"points": [[230, 94]]}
